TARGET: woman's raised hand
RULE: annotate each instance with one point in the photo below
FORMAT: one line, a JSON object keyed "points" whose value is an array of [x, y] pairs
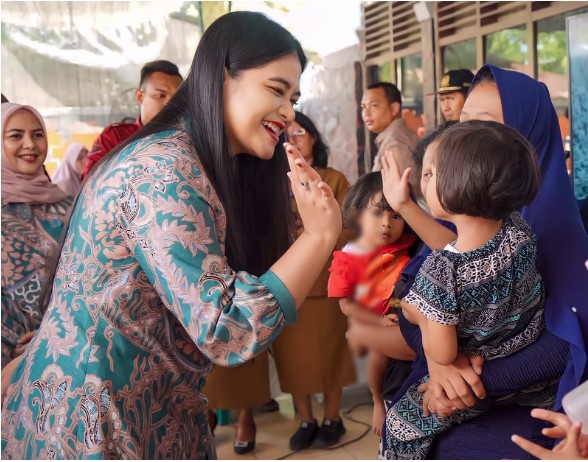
{"points": [[317, 206], [396, 189]]}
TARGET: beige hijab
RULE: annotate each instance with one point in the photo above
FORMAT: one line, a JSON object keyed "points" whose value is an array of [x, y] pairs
{"points": [[17, 187]]}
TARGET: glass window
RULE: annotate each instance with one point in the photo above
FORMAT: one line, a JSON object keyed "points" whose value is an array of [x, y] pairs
{"points": [[382, 73], [552, 63], [410, 83], [386, 72], [461, 55], [507, 48], [579, 108]]}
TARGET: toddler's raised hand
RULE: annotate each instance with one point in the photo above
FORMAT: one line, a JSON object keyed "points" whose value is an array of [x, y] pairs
{"points": [[396, 189]]}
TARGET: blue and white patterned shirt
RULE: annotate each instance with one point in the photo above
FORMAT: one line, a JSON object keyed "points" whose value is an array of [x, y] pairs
{"points": [[493, 294]]}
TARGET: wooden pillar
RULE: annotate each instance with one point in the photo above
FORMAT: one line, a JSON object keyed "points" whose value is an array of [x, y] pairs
{"points": [[367, 150], [480, 52], [532, 48], [424, 13]]}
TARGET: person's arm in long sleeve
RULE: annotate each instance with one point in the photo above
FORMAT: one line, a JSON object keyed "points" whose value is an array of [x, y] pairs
{"points": [[231, 315]]}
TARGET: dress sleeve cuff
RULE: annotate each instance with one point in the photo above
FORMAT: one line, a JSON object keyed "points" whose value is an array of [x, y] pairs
{"points": [[281, 294]]}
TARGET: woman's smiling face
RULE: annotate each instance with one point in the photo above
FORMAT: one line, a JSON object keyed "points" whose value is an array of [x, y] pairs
{"points": [[24, 142], [258, 106]]}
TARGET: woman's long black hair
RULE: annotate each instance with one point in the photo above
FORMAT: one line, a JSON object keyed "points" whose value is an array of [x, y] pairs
{"points": [[320, 150], [254, 192]]}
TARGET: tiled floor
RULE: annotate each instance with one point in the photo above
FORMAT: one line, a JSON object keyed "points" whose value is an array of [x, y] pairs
{"points": [[274, 430]]}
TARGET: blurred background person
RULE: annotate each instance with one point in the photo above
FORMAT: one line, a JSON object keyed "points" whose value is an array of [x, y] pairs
{"points": [[34, 214], [381, 110], [312, 355], [68, 176], [159, 82], [453, 92]]}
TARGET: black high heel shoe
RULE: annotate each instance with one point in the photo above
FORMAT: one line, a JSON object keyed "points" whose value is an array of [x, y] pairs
{"points": [[244, 447]]}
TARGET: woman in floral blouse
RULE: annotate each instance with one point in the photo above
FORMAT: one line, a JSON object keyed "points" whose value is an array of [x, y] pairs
{"points": [[177, 256], [34, 215]]}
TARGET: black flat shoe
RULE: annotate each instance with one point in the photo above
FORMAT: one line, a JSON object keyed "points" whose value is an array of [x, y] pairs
{"points": [[330, 433], [270, 406], [304, 436]]}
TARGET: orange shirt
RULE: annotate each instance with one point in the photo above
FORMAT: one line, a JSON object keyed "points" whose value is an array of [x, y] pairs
{"points": [[369, 279]]}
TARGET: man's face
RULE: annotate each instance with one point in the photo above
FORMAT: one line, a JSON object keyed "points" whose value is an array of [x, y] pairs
{"points": [[451, 105], [156, 91], [376, 111]]}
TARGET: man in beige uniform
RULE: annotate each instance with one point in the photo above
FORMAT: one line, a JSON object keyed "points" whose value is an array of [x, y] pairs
{"points": [[381, 110]]}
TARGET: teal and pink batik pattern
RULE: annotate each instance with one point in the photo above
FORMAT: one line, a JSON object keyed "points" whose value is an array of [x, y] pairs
{"points": [[143, 304]]}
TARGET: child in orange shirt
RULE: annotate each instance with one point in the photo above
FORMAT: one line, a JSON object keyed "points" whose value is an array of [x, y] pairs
{"points": [[364, 273]]}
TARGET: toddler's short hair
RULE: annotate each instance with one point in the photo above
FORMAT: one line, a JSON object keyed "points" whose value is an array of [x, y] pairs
{"points": [[485, 169], [419, 151], [360, 195]]}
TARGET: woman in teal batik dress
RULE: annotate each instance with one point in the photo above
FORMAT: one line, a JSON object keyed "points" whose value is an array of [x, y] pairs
{"points": [[144, 298], [34, 215]]}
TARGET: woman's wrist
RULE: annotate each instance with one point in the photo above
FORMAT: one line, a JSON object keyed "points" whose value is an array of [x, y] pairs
{"points": [[322, 238]]}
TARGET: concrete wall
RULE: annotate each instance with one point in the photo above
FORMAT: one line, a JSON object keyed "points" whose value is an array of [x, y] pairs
{"points": [[330, 101]]}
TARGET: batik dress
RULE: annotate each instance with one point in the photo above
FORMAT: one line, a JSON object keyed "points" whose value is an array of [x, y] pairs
{"points": [[494, 296], [31, 234], [143, 303]]}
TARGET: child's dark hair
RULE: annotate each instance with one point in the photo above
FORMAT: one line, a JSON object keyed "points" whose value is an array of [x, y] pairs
{"points": [[361, 196], [419, 151], [485, 169]]}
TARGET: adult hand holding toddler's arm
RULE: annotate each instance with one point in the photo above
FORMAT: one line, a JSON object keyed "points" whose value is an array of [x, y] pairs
{"points": [[453, 387]]}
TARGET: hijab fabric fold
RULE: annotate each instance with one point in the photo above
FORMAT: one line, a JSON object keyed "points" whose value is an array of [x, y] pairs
{"points": [[18, 187], [562, 242], [67, 177]]}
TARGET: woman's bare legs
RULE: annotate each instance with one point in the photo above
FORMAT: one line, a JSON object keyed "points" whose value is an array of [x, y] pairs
{"points": [[246, 426]]}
